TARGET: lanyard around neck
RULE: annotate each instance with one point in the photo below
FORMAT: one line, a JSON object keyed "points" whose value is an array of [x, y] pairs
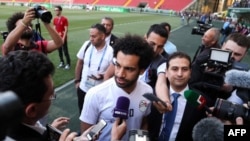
{"points": [[90, 57]]}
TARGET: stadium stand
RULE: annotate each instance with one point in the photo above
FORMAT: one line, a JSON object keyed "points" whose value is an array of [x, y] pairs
{"points": [[38, 1], [5, 0], [176, 5], [112, 2], [135, 3], [26, 1]]}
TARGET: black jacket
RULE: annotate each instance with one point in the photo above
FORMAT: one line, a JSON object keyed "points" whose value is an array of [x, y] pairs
{"points": [[113, 39], [21, 132]]}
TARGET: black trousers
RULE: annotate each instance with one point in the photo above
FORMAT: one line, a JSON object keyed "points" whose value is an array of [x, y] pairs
{"points": [[64, 49], [81, 95]]}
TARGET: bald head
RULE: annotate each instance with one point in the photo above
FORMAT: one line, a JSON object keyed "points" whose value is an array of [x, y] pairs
{"points": [[211, 37]]}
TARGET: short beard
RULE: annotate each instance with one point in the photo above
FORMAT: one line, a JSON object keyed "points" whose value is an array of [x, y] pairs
{"points": [[108, 33]]}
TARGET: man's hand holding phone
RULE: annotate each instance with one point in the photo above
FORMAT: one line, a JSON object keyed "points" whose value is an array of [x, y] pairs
{"points": [[53, 133], [94, 132], [158, 103]]}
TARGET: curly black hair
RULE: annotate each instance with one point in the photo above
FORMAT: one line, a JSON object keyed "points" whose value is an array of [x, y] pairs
{"points": [[24, 73], [11, 22], [135, 45]]}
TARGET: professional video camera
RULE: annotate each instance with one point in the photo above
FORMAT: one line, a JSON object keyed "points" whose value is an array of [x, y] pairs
{"points": [[201, 28], [43, 14], [227, 110], [11, 111], [218, 63]]}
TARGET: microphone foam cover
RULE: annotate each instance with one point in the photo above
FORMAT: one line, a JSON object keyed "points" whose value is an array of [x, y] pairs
{"points": [[238, 78], [209, 128]]}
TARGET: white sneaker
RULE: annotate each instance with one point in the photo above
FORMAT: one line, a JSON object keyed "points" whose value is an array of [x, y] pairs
{"points": [[61, 65], [67, 67]]}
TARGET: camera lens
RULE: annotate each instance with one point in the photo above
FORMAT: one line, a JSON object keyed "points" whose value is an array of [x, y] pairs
{"points": [[230, 111], [45, 16]]}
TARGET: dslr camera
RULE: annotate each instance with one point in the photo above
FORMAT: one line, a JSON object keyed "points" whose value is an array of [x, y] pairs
{"points": [[227, 110], [201, 28], [43, 14]]}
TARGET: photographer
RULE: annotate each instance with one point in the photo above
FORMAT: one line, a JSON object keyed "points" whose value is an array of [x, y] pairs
{"points": [[238, 44], [20, 32], [209, 40]]}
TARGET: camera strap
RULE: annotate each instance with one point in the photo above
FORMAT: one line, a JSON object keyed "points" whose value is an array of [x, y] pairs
{"points": [[38, 29]]}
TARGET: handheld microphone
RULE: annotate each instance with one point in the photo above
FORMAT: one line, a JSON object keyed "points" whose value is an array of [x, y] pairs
{"points": [[240, 79], [122, 108], [196, 100]]}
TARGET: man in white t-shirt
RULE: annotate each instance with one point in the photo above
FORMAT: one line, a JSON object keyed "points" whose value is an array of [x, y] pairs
{"points": [[94, 58], [132, 55]]}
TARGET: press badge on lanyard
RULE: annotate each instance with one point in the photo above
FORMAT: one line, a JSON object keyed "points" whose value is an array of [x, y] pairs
{"points": [[91, 79], [90, 82]]}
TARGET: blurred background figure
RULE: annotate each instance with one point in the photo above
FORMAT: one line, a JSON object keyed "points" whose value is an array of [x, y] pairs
{"points": [[61, 24]]}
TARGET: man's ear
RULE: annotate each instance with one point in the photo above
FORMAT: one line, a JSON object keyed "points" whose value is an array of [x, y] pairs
{"points": [[31, 110], [214, 42], [103, 36], [145, 37]]}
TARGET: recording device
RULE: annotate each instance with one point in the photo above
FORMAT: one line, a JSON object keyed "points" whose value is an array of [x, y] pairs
{"points": [[239, 79], [4, 34], [11, 111], [227, 110], [153, 97], [219, 61], [201, 28], [216, 66], [54, 133], [196, 100], [222, 57], [96, 129], [138, 135], [209, 128], [43, 14], [122, 108]]}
